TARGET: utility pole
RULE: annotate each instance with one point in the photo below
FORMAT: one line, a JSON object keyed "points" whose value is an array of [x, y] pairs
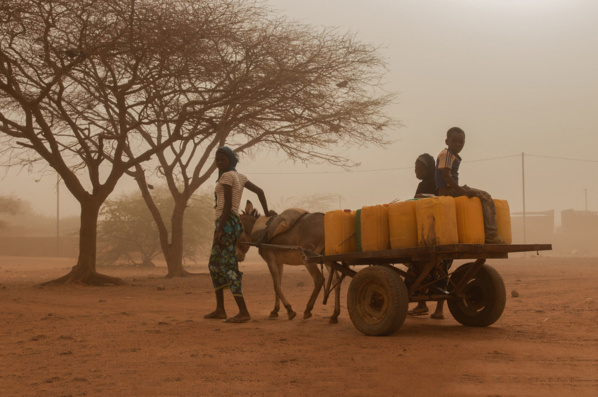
{"points": [[523, 190], [57, 214], [586, 190]]}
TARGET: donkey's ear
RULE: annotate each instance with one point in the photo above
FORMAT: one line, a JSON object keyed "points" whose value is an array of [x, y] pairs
{"points": [[248, 207]]}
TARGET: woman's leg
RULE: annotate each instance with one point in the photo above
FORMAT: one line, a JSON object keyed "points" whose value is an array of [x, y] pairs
{"points": [[228, 267], [219, 313], [243, 315], [218, 281]]}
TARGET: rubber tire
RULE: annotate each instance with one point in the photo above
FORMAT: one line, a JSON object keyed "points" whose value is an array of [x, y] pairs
{"points": [[485, 298], [377, 301]]}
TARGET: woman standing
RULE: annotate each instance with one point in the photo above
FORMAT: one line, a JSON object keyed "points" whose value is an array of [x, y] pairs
{"points": [[224, 268]]}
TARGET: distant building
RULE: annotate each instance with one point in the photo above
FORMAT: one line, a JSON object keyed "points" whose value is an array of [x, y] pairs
{"points": [[578, 234], [579, 222], [538, 228]]}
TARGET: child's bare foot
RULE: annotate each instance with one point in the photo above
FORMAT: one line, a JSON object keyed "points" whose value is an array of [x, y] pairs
{"points": [[239, 318], [216, 314], [437, 316], [418, 311]]}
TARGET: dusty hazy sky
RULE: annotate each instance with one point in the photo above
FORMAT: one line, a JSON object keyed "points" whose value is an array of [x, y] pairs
{"points": [[519, 76]]}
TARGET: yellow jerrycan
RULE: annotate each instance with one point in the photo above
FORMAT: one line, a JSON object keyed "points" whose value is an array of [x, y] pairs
{"points": [[470, 220], [374, 233], [503, 220], [436, 221], [339, 232], [402, 224]]}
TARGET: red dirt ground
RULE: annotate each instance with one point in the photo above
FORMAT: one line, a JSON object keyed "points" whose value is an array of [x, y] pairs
{"points": [[150, 338]]}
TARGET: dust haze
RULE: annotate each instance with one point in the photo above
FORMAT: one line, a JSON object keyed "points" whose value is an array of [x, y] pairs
{"points": [[518, 76]]}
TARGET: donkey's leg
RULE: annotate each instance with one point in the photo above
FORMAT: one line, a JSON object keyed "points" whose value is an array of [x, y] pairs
{"points": [[337, 297], [318, 278], [274, 313], [275, 281], [290, 313], [275, 272]]}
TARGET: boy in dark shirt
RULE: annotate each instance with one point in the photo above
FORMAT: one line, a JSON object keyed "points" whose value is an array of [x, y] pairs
{"points": [[425, 170]]}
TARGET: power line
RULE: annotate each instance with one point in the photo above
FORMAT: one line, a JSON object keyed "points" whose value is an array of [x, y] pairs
{"points": [[411, 167], [330, 172], [562, 158], [492, 158]]}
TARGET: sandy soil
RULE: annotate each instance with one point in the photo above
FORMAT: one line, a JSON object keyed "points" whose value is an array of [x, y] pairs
{"points": [[149, 338]]}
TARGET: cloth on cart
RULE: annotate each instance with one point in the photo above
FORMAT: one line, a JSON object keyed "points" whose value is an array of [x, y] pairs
{"points": [[268, 227]]}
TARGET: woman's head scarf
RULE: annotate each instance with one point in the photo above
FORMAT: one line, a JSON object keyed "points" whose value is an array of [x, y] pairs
{"points": [[233, 159]]}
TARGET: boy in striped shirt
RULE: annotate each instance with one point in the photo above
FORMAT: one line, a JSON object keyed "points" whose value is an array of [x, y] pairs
{"points": [[447, 182]]}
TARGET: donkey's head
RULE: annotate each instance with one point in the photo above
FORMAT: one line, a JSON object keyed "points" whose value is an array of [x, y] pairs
{"points": [[248, 218]]}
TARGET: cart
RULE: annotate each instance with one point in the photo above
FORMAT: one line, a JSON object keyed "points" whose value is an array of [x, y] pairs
{"points": [[379, 294]]}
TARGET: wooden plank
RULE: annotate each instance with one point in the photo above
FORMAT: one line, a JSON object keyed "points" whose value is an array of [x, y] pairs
{"points": [[342, 268], [452, 251]]}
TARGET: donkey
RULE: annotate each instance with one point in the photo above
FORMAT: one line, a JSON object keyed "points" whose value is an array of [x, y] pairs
{"points": [[306, 233]]}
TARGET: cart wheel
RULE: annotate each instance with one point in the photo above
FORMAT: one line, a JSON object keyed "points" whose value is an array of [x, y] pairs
{"points": [[483, 300], [377, 301]]}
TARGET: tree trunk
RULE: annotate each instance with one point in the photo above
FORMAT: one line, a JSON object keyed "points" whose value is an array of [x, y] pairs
{"points": [[147, 262], [84, 272], [174, 257]]}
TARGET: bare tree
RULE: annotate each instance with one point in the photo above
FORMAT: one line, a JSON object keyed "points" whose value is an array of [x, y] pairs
{"points": [[127, 229], [78, 81], [12, 205], [9, 205], [306, 92]]}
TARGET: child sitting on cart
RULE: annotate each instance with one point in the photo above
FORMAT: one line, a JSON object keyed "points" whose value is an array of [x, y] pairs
{"points": [[425, 170], [447, 182]]}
